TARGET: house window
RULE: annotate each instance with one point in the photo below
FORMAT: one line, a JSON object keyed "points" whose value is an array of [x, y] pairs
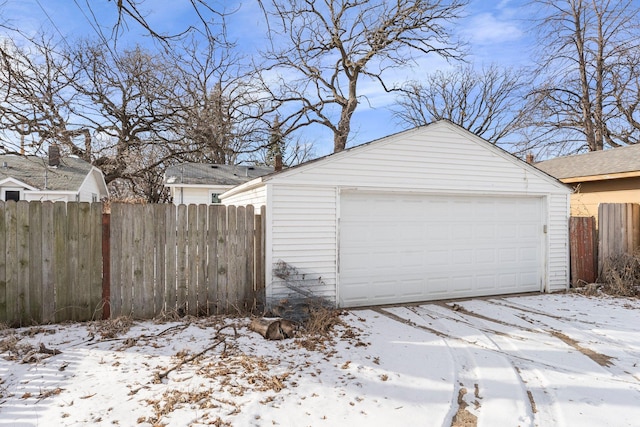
{"points": [[214, 198], [94, 197], [12, 195]]}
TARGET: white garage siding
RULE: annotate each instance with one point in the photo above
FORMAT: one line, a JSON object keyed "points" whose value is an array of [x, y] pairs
{"points": [[433, 158], [303, 235], [558, 240]]}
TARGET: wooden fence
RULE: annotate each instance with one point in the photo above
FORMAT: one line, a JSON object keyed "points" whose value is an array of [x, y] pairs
{"points": [[50, 261], [67, 261], [617, 232]]}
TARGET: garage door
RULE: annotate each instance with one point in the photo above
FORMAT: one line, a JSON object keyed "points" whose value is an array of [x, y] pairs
{"points": [[398, 248]]}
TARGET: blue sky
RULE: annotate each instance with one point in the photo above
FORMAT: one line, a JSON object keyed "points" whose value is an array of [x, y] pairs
{"points": [[495, 31]]}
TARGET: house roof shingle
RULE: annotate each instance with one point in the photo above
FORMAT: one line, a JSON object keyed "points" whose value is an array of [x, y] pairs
{"points": [[34, 171], [612, 161], [205, 173]]}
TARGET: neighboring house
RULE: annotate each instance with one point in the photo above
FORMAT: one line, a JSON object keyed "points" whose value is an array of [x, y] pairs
{"points": [[609, 176], [201, 183], [55, 178], [430, 213]]}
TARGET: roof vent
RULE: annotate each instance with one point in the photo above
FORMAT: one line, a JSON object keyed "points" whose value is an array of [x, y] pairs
{"points": [[214, 166]]}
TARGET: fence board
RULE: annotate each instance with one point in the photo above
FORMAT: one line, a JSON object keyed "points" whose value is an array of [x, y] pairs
{"points": [[3, 266], [223, 267], [201, 303], [83, 304], [241, 257], [192, 260], [35, 263], [115, 224], [170, 284], [137, 258], [63, 300], [48, 276], [22, 217], [105, 306], [77, 296], [212, 259], [11, 251], [94, 255], [259, 256], [249, 271], [148, 264], [583, 250], [181, 258], [230, 252], [159, 238], [127, 260]]}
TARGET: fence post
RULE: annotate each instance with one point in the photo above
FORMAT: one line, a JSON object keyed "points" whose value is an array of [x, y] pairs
{"points": [[583, 249]]}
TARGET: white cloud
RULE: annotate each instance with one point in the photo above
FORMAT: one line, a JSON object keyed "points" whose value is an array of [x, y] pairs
{"points": [[486, 28]]}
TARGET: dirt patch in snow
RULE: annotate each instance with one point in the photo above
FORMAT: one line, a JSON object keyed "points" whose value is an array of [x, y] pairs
{"points": [[599, 358], [463, 418]]}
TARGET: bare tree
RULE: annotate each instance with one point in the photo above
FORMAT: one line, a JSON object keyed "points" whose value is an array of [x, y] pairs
{"points": [[38, 98], [129, 103], [584, 46], [485, 102], [329, 46], [220, 115], [208, 17]]}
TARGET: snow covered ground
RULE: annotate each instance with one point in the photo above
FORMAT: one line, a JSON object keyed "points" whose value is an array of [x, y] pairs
{"points": [[544, 360]]}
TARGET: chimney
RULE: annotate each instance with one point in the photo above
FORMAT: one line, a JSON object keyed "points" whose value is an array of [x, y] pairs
{"points": [[278, 162], [54, 156], [530, 158]]}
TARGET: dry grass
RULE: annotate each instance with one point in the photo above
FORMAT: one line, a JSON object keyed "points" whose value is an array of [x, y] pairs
{"points": [[113, 328], [621, 275], [318, 327], [322, 320]]}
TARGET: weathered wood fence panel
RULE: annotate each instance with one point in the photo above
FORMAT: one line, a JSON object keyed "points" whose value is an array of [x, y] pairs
{"points": [[195, 260], [50, 262], [619, 230], [583, 250], [67, 261]]}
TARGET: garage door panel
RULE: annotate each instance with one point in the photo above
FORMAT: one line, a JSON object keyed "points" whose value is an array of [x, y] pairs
{"points": [[401, 248]]}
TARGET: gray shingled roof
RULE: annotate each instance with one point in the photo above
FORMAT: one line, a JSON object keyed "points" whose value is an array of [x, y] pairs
{"points": [[203, 173], [33, 170], [614, 160]]}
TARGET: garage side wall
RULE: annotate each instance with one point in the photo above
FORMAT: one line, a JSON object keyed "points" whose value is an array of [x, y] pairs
{"points": [[303, 242], [558, 243]]}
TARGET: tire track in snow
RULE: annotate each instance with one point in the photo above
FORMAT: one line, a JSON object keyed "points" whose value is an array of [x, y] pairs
{"points": [[492, 399], [561, 380], [544, 409], [591, 338]]}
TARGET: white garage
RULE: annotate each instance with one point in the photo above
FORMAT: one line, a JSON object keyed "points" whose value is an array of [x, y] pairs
{"points": [[430, 213]]}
